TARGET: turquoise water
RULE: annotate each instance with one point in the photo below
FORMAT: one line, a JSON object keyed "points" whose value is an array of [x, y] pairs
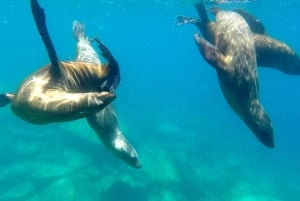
{"points": [[191, 145]]}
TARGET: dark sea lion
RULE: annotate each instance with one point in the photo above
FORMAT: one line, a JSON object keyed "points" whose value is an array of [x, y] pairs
{"points": [[233, 57], [270, 53], [105, 122], [61, 91]]}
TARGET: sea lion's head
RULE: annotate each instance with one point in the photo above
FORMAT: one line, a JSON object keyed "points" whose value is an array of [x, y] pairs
{"points": [[126, 152], [261, 125]]}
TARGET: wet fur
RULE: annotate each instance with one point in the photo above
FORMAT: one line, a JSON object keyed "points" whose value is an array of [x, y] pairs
{"points": [[41, 99], [234, 58]]}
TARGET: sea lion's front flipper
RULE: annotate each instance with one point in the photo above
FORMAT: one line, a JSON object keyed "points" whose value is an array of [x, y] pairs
{"points": [[211, 53], [254, 23], [40, 20], [201, 10], [113, 79], [60, 106], [105, 124], [6, 99], [276, 54]]}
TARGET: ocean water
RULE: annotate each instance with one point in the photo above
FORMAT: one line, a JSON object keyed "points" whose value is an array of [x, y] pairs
{"points": [[191, 145]]}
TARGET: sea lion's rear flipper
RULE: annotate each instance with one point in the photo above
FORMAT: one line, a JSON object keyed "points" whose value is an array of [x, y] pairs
{"points": [[211, 53], [113, 79], [205, 26], [105, 124], [200, 23], [276, 54], [182, 19], [6, 99], [85, 52], [254, 23], [78, 30], [40, 20]]}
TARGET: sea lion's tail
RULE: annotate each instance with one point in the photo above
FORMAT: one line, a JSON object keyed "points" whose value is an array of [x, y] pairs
{"points": [[6, 99]]}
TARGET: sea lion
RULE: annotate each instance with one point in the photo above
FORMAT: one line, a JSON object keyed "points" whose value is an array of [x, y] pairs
{"points": [[105, 122], [233, 57], [61, 91], [270, 53]]}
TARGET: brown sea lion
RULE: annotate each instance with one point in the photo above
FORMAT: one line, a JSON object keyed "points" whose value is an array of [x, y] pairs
{"points": [[270, 53], [233, 57], [62, 91]]}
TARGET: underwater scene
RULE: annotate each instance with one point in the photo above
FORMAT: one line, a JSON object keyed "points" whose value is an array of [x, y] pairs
{"points": [[191, 145]]}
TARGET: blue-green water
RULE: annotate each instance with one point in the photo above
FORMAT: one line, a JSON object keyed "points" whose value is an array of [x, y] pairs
{"points": [[191, 145]]}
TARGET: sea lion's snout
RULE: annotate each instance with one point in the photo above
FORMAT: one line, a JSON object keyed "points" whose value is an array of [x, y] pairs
{"points": [[265, 132], [126, 151], [266, 136], [133, 160], [261, 125]]}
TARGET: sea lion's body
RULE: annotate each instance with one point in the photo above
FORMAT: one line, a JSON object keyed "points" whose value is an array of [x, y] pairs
{"points": [[43, 99], [270, 53], [234, 58]]}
